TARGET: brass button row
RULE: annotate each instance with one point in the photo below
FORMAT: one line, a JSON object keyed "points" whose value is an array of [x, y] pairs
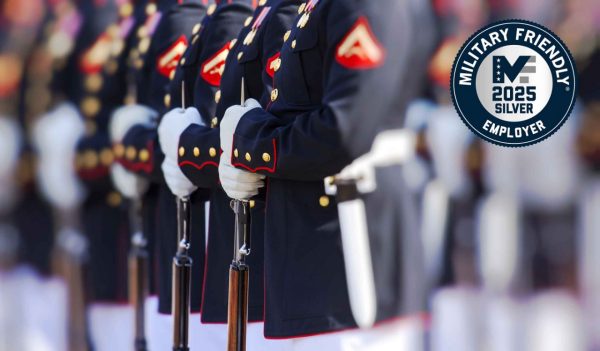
{"points": [[90, 159], [265, 156], [196, 151]]}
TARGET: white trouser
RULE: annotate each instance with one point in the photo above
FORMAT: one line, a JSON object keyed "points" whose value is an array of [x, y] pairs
{"points": [[112, 327], [399, 335]]}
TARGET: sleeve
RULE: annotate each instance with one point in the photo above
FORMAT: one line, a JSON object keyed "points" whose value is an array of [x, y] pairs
{"points": [[140, 153], [93, 160], [199, 155], [364, 55]]}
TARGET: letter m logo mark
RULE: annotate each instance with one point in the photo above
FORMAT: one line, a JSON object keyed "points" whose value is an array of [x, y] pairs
{"points": [[502, 68]]}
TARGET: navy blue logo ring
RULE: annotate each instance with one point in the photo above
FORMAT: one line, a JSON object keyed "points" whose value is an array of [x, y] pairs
{"points": [[513, 83]]}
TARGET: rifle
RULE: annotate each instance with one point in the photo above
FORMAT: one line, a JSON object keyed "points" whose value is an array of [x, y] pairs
{"points": [[237, 308], [182, 269], [68, 260], [138, 275]]}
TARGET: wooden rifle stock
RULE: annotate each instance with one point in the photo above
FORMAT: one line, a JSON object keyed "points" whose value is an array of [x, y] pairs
{"points": [[237, 309]]}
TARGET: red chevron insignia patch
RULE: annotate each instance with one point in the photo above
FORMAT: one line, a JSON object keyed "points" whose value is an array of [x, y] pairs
{"points": [[360, 49], [168, 60], [212, 69]]}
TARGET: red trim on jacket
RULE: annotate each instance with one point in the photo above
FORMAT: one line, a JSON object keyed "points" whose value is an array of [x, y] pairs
{"points": [[262, 168]]}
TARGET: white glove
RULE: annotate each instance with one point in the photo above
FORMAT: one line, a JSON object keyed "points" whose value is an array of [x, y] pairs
{"points": [[10, 139], [237, 183], [172, 125], [128, 116], [55, 136], [230, 121], [129, 184], [179, 184]]}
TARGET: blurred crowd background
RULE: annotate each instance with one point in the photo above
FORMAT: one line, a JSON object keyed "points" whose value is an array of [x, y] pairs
{"points": [[511, 236]]}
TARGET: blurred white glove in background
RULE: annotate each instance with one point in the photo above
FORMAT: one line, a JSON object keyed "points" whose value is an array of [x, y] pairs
{"points": [[55, 135]]}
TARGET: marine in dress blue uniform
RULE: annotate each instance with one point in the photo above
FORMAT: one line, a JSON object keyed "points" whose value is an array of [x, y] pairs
{"points": [[257, 44], [103, 215], [163, 43], [336, 68]]}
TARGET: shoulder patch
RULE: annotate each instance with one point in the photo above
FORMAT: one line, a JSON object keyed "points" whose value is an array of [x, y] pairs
{"points": [[360, 49], [168, 60], [273, 65], [94, 58], [212, 69]]}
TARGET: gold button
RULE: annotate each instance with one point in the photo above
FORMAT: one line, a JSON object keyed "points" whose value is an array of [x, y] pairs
{"points": [[93, 82], [218, 96], [90, 159], [274, 94], [144, 155], [214, 122], [181, 151], [106, 157], [211, 9], [303, 20], [172, 75], [240, 55], [236, 153], [324, 201], [248, 21], [250, 37], [182, 62], [144, 45], [196, 28], [294, 44], [277, 65], [266, 157], [286, 36], [248, 157], [126, 9], [90, 106], [114, 199], [262, 2], [130, 153], [117, 47], [301, 8], [150, 9], [142, 32], [212, 152], [167, 100], [119, 150], [196, 152], [252, 203]]}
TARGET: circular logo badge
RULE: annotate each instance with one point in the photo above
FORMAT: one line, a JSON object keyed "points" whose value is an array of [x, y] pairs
{"points": [[513, 83]]}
